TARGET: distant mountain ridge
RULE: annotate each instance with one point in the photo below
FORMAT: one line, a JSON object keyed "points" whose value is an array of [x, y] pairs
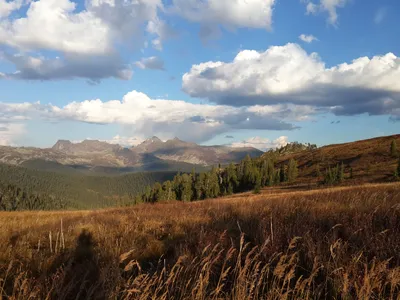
{"points": [[153, 154]]}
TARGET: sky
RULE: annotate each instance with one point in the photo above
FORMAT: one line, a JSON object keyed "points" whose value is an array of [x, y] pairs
{"points": [[256, 73]]}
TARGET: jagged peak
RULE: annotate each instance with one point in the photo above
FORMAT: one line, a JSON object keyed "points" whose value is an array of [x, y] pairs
{"points": [[93, 142], [153, 139], [63, 142], [60, 144]]}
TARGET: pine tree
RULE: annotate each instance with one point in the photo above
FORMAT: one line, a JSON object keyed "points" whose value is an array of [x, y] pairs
{"points": [[277, 176], [397, 172], [214, 189], [282, 175], [169, 192], [340, 173], [264, 172], [292, 170], [398, 167], [393, 149], [317, 171], [157, 193], [257, 186], [199, 187], [186, 188], [329, 176], [351, 173]]}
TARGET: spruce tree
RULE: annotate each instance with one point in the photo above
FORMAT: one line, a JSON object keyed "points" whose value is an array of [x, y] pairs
{"points": [[398, 167], [282, 174], [257, 186], [393, 149], [292, 170], [397, 172], [186, 188], [199, 187], [317, 171], [340, 173]]}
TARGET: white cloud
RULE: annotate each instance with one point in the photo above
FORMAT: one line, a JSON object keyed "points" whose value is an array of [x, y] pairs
{"points": [[262, 144], [142, 116], [125, 141], [307, 38], [226, 13], [87, 42], [152, 63], [93, 68], [10, 133], [327, 6], [56, 25], [7, 7], [288, 74], [380, 15]]}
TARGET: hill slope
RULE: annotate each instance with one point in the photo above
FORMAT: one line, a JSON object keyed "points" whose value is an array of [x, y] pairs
{"points": [[370, 160], [79, 190]]}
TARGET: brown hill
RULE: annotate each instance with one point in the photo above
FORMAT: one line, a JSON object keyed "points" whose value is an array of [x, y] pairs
{"points": [[370, 160]]}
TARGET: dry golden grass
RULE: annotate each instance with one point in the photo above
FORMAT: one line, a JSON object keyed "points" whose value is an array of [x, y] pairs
{"points": [[336, 243]]}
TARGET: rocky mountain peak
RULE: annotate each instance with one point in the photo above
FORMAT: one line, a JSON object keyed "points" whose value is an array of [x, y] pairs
{"points": [[154, 139], [62, 145]]}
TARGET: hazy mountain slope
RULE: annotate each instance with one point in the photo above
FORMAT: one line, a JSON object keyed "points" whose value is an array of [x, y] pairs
{"points": [[96, 156], [177, 150], [82, 191]]}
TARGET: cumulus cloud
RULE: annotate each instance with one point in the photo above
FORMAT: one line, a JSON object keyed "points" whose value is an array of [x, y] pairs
{"points": [[325, 6], [7, 7], [307, 38], [144, 116], [288, 74], [262, 144], [152, 63], [103, 28], [70, 66], [57, 25], [211, 14], [87, 42], [10, 133]]}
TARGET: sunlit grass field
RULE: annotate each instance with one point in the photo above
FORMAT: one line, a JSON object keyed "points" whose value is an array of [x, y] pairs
{"points": [[334, 243]]}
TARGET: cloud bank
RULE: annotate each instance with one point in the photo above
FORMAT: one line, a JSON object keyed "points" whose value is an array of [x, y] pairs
{"points": [[143, 116], [288, 74], [87, 42], [262, 144]]}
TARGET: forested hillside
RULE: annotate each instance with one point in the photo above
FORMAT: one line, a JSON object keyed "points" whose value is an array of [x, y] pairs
{"points": [[81, 191], [374, 160]]}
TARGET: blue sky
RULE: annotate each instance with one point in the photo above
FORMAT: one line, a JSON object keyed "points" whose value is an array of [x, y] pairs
{"points": [[213, 72]]}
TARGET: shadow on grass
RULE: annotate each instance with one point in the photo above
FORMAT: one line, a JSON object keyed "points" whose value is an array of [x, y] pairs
{"points": [[80, 278]]}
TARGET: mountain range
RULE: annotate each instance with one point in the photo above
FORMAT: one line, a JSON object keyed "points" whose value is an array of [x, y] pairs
{"points": [[151, 155]]}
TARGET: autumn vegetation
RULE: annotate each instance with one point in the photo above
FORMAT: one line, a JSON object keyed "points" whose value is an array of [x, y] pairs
{"points": [[281, 228], [334, 243]]}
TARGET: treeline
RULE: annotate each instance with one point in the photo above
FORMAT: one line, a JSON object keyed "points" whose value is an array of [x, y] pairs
{"points": [[249, 174], [13, 198]]}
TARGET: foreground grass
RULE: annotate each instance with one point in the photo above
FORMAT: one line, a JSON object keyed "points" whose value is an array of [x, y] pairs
{"points": [[339, 243]]}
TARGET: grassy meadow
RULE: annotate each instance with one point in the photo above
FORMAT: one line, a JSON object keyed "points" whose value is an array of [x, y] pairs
{"points": [[333, 243]]}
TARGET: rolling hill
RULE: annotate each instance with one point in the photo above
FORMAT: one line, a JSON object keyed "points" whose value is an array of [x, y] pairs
{"points": [[370, 160]]}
